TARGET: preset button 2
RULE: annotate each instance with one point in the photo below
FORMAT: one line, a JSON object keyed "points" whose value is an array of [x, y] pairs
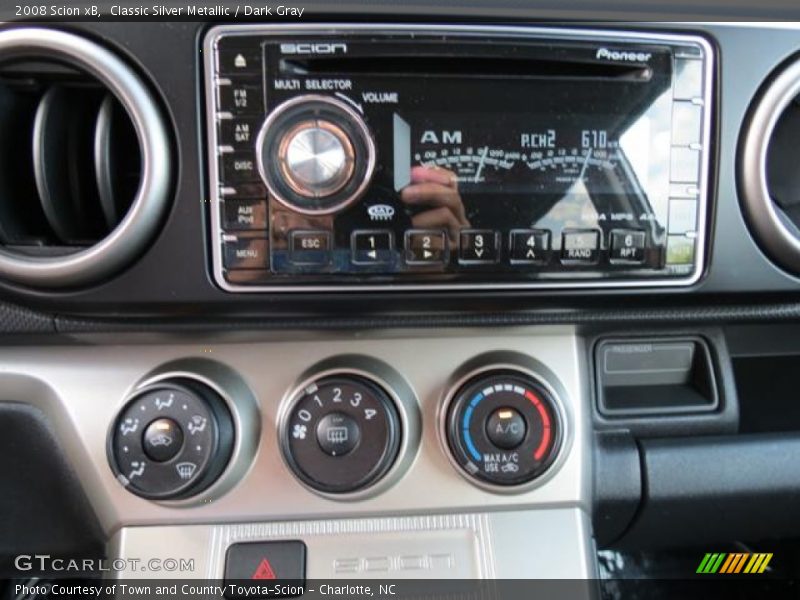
{"points": [[426, 247]]}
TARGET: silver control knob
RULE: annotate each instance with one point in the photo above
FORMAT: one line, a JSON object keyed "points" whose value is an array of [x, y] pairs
{"points": [[316, 158], [315, 154]]}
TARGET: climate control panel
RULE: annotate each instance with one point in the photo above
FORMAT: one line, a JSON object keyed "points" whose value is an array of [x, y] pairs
{"points": [[341, 434], [348, 429], [503, 428]]}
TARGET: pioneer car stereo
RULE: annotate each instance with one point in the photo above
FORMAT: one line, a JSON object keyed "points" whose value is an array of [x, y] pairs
{"points": [[386, 157]]}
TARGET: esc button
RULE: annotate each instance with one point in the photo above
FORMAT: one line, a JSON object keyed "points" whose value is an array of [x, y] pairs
{"points": [[310, 247]]}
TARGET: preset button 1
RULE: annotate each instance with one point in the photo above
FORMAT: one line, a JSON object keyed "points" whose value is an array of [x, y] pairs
{"points": [[372, 247]]}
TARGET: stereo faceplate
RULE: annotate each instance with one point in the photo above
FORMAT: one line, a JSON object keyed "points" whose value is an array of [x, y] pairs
{"points": [[362, 157]]}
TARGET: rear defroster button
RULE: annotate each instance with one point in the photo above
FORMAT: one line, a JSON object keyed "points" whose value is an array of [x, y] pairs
{"points": [[338, 433]]}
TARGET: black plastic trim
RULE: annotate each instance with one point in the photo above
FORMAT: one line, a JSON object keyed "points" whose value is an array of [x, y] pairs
{"points": [[717, 489]]}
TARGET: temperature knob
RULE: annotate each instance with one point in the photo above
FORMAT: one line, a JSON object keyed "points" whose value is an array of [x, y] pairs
{"points": [[503, 428], [315, 154], [341, 434]]}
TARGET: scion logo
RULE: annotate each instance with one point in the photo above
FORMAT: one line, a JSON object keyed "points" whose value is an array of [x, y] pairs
{"points": [[386, 564], [314, 48], [733, 563], [622, 55]]}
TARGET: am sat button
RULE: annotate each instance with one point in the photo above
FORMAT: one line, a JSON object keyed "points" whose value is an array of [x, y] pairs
{"points": [[310, 247], [580, 246], [627, 245], [261, 563], [239, 132]]}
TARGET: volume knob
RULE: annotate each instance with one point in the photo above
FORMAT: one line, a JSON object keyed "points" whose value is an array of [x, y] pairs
{"points": [[316, 158], [315, 154]]}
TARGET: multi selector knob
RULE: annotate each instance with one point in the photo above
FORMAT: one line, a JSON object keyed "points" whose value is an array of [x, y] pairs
{"points": [[315, 154]]}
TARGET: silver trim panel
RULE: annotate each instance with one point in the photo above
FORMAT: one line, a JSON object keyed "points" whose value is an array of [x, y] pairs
{"points": [[209, 51], [763, 216], [446, 546], [137, 228], [82, 390]]}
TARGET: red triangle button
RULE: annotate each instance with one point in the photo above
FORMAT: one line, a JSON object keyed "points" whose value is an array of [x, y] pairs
{"points": [[264, 571]]}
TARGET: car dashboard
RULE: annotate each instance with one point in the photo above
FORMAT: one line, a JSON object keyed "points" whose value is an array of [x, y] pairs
{"points": [[407, 297]]}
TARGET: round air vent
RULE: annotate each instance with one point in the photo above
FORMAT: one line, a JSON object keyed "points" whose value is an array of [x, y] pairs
{"points": [[769, 171], [84, 160]]}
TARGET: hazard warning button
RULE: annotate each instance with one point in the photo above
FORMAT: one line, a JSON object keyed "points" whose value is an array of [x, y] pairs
{"points": [[264, 563]]}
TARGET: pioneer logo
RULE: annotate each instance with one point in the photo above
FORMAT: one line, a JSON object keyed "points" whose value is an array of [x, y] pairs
{"points": [[622, 55], [314, 48]]}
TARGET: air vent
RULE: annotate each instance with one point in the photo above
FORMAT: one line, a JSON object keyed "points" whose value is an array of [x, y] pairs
{"points": [[768, 168], [84, 160]]}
